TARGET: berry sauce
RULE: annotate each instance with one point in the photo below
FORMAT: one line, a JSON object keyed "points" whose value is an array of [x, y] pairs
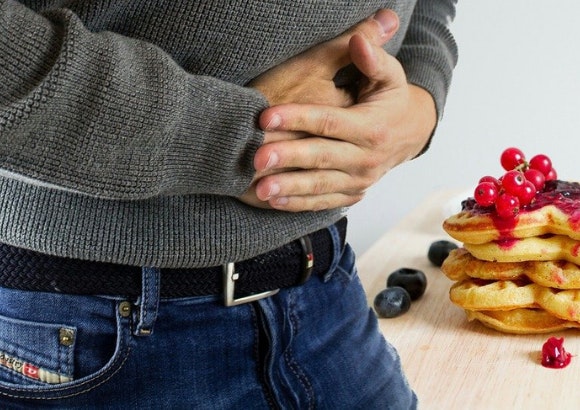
{"points": [[562, 194], [554, 355]]}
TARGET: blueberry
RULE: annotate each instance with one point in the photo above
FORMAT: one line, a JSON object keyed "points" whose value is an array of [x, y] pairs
{"points": [[412, 280], [392, 302], [439, 250]]}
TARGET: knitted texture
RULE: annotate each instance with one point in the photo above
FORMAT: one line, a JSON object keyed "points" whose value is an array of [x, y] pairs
{"points": [[127, 131]]}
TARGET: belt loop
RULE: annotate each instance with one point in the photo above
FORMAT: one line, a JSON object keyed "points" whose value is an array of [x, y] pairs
{"points": [[149, 301], [336, 251]]}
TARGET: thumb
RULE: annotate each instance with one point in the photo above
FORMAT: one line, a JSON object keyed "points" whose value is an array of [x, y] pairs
{"points": [[377, 29], [375, 64]]}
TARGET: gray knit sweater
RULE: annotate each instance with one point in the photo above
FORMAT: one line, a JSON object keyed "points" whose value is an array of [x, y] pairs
{"points": [[127, 131]]}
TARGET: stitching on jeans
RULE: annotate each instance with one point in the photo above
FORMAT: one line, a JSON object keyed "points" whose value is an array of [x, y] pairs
{"points": [[300, 375], [145, 296], [289, 359], [148, 276], [260, 360]]}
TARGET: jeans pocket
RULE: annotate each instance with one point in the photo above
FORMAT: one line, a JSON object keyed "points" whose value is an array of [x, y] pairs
{"points": [[55, 346], [33, 353]]}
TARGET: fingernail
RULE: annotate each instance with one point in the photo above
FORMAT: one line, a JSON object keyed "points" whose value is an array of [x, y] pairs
{"points": [[282, 201], [272, 160], [274, 122], [274, 190], [386, 20]]}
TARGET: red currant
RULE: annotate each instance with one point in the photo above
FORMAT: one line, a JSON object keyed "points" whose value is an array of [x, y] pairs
{"points": [[535, 177], [527, 193], [552, 175], [486, 193], [512, 182], [511, 158], [507, 205], [491, 179], [542, 163]]}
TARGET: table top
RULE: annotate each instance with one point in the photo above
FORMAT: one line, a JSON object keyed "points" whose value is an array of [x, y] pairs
{"points": [[452, 363]]}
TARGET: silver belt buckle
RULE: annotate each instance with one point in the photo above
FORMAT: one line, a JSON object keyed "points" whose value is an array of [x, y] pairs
{"points": [[230, 276]]}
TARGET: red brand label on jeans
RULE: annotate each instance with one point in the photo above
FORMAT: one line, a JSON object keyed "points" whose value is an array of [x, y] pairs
{"points": [[31, 371]]}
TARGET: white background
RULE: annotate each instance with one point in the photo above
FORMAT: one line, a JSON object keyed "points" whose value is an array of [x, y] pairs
{"points": [[517, 83]]}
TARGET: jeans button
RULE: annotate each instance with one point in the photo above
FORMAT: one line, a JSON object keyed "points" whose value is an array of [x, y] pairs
{"points": [[125, 309], [66, 337]]}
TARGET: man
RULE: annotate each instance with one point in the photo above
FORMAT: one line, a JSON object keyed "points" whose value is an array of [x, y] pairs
{"points": [[174, 177]]}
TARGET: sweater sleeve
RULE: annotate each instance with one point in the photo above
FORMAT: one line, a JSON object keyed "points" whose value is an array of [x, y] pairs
{"points": [[114, 117], [429, 51]]}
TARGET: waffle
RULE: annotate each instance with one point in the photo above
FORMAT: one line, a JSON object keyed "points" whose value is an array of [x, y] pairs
{"points": [[460, 265], [478, 294], [504, 295], [517, 306], [555, 247], [555, 210], [564, 304], [521, 321]]}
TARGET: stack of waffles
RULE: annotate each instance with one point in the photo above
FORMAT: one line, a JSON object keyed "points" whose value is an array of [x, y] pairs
{"points": [[520, 275]]}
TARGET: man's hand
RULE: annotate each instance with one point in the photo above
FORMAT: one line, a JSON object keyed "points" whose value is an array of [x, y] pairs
{"points": [[349, 148], [308, 79]]}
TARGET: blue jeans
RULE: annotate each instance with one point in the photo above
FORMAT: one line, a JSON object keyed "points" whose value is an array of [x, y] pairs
{"points": [[311, 346]]}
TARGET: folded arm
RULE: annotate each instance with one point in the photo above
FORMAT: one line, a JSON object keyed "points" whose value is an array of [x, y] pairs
{"points": [[115, 117]]}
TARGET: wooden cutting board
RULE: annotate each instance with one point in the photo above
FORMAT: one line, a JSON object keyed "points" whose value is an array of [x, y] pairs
{"points": [[452, 363]]}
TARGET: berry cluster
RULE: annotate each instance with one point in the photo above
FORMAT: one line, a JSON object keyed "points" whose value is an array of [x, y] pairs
{"points": [[406, 285], [403, 286], [518, 186]]}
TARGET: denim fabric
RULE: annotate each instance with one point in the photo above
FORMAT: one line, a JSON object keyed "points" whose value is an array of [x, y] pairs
{"points": [[312, 346]]}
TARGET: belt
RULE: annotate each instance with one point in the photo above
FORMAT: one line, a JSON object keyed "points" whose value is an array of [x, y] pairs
{"points": [[239, 282]]}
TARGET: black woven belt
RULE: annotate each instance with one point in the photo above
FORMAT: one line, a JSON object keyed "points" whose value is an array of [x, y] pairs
{"points": [[286, 266]]}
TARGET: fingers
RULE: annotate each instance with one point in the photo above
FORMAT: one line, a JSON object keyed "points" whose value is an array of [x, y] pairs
{"points": [[314, 203], [383, 74], [375, 63], [308, 190], [249, 198], [377, 29], [320, 120], [315, 173], [275, 136], [307, 153], [363, 56]]}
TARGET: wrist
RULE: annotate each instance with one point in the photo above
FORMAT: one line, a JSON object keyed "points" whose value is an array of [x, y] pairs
{"points": [[424, 116], [425, 107]]}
